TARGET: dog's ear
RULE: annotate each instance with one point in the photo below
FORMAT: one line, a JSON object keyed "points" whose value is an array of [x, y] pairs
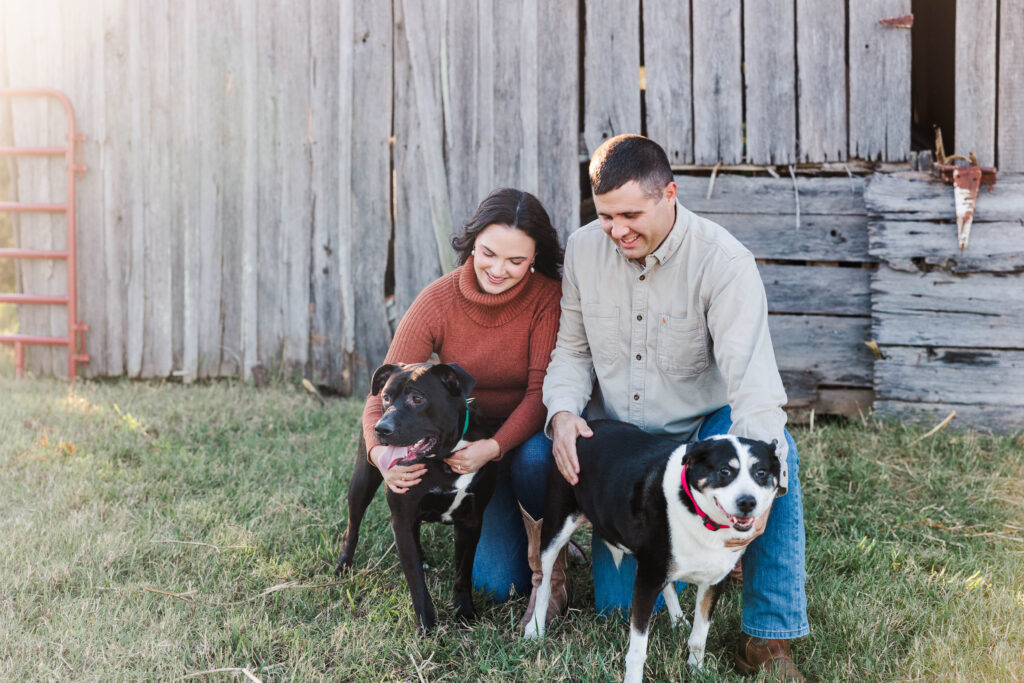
{"points": [[774, 446], [380, 377], [456, 380], [696, 451]]}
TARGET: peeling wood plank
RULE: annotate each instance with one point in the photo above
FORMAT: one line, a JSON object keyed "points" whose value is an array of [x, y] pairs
{"points": [[559, 118], [975, 80], [667, 54], [938, 309], [841, 239], [829, 350], [717, 82], [1010, 154], [879, 81], [984, 417], [770, 81], [611, 70], [918, 197], [821, 74], [818, 290], [922, 246], [760, 195], [951, 375]]}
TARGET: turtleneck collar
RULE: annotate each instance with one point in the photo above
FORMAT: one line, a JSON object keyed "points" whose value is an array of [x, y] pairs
{"points": [[492, 310]]}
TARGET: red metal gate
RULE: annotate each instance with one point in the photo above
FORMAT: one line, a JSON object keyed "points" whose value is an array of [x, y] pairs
{"points": [[76, 329]]}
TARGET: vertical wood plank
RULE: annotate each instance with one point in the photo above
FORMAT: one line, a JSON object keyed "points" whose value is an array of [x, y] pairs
{"points": [[462, 141], [422, 211], [117, 182], [879, 81], [667, 54], [717, 82], [294, 71], [611, 69], [344, 229], [529, 104], [821, 75], [770, 81], [975, 80], [510, 137], [191, 186], [139, 77], [84, 69], [250, 96], [369, 222], [1010, 154], [485, 111], [558, 115], [326, 344]]}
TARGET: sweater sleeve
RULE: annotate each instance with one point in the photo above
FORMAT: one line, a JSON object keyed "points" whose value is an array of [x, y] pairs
{"points": [[528, 417], [417, 336]]}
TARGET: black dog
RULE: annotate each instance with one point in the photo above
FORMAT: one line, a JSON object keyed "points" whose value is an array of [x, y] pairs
{"points": [[426, 407], [671, 506]]}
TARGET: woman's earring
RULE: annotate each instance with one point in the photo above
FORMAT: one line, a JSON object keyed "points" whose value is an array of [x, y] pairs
{"points": [[472, 252], [532, 269]]}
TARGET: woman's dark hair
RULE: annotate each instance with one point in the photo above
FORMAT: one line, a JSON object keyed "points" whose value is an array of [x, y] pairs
{"points": [[520, 210]]}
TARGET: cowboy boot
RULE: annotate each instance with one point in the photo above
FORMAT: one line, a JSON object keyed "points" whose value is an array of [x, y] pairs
{"points": [[559, 602], [771, 656]]}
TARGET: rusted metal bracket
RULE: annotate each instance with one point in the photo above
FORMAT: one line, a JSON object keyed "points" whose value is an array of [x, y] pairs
{"points": [[902, 21], [966, 180]]}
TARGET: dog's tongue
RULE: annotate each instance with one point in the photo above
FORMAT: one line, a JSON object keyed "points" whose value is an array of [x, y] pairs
{"points": [[391, 455]]}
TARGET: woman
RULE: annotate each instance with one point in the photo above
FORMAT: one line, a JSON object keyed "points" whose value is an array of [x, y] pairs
{"points": [[496, 315]]}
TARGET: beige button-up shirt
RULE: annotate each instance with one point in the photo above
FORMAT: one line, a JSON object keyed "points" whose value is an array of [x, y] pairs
{"points": [[664, 345]]}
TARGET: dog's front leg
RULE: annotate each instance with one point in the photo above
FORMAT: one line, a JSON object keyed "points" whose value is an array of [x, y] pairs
{"points": [[366, 479], [645, 593], [466, 539], [675, 612], [407, 543], [707, 598]]}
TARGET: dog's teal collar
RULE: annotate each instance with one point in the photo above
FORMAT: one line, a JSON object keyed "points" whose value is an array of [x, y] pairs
{"points": [[465, 427]]}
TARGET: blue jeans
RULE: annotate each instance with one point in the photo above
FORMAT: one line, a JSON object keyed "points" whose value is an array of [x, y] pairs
{"points": [[500, 563], [774, 603]]}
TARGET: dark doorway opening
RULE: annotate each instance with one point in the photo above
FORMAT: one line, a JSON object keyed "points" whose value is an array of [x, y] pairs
{"points": [[933, 65]]}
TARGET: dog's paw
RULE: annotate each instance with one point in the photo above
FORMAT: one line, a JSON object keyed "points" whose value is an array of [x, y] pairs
{"points": [[531, 632], [695, 664], [465, 611]]}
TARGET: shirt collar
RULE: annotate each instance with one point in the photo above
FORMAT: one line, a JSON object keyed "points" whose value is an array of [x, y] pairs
{"points": [[675, 238]]}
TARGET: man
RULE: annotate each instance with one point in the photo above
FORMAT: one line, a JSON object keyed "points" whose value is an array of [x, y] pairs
{"points": [[664, 325]]}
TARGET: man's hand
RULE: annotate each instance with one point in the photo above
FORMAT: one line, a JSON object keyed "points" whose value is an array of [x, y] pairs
{"points": [[399, 478], [474, 456], [759, 524], [566, 427]]}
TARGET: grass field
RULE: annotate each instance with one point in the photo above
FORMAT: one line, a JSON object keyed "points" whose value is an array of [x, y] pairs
{"points": [[158, 531]]}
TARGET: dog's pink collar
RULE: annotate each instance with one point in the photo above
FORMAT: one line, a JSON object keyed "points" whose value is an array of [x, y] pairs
{"points": [[708, 524]]}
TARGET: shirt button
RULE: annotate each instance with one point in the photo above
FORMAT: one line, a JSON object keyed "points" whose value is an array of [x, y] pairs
{"points": [[638, 356], [636, 397], [639, 317], [643, 277]]}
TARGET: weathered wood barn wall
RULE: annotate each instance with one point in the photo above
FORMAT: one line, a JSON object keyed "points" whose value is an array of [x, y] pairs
{"points": [[262, 174]]}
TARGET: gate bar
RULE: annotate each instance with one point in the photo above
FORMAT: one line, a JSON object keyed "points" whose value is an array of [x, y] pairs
{"points": [[76, 328]]}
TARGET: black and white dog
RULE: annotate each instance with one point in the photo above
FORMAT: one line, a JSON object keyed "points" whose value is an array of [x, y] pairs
{"points": [[426, 407], [673, 507]]}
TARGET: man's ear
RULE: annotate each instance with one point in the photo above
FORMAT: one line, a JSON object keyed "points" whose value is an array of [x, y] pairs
{"points": [[381, 375], [670, 192], [456, 380]]}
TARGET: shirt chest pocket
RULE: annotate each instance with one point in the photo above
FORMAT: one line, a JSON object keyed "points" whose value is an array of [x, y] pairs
{"points": [[602, 326], [682, 346]]}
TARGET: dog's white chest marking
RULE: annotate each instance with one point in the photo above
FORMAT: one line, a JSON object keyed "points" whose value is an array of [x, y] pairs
{"points": [[617, 552], [461, 484]]}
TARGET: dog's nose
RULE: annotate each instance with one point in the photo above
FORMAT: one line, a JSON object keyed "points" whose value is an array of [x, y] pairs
{"points": [[745, 504], [383, 431]]}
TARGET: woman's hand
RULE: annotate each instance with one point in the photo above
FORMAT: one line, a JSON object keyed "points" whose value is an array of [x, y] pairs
{"points": [[399, 478], [474, 456]]}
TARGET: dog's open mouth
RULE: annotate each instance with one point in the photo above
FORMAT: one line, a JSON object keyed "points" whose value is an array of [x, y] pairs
{"points": [[738, 523], [422, 447]]}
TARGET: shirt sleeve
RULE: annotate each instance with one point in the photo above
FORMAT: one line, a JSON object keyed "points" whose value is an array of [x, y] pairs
{"points": [[415, 339], [737, 315], [528, 417], [570, 377]]}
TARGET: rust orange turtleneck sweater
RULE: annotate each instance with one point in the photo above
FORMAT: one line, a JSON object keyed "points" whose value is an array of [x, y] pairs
{"points": [[503, 340]]}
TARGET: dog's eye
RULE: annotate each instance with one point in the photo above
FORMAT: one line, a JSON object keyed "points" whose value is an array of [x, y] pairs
{"points": [[725, 472], [415, 399], [760, 473], [385, 399]]}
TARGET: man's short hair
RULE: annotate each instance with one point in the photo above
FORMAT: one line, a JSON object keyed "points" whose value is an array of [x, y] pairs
{"points": [[630, 157]]}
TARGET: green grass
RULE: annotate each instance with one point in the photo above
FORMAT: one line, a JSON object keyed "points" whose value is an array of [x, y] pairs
{"points": [[153, 530]]}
